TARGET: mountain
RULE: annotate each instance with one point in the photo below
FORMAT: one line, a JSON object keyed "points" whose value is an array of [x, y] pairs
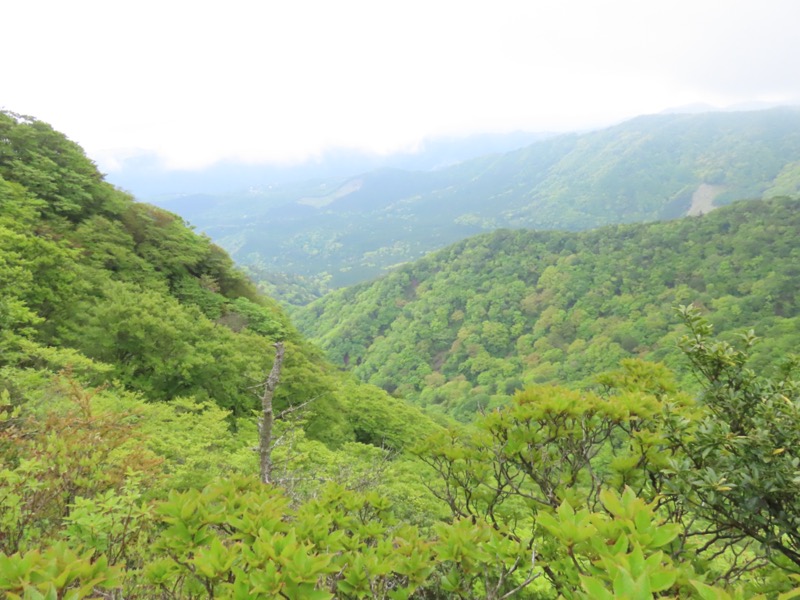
{"points": [[654, 167], [468, 325], [124, 293], [133, 393], [144, 175]]}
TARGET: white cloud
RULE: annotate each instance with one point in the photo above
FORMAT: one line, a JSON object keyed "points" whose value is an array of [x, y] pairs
{"points": [[259, 80]]}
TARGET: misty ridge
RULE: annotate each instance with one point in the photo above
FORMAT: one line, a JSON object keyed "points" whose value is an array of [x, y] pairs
{"points": [[331, 232]]}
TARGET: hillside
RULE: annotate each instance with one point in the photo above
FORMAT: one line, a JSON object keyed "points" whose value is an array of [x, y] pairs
{"points": [[468, 325], [133, 354], [126, 295], [342, 232]]}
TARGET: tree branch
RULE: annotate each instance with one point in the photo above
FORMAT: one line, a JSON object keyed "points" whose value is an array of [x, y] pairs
{"points": [[267, 416]]}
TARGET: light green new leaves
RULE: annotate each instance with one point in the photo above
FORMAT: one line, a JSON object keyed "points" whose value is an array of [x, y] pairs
{"points": [[58, 572]]}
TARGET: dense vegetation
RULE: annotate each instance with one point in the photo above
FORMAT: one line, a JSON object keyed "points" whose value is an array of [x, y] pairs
{"points": [[131, 349], [467, 326], [649, 168]]}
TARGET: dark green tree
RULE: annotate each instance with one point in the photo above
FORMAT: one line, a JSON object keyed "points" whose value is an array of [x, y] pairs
{"points": [[740, 469]]}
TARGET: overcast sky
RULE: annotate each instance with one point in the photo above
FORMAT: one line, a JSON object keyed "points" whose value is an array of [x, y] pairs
{"points": [[265, 80]]}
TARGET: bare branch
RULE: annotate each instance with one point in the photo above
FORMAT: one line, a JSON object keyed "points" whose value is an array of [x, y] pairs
{"points": [[267, 416]]}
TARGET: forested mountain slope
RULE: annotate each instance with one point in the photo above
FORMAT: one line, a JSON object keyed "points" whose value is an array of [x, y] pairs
{"points": [[124, 292], [468, 325], [130, 351], [649, 168]]}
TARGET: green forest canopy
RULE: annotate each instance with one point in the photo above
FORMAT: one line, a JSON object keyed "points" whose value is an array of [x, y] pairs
{"points": [[645, 169], [470, 324], [129, 347]]}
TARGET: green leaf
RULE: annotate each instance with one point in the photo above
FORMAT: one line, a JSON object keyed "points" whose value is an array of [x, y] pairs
{"points": [[709, 593], [664, 534], [596, 589], [663, 579]]}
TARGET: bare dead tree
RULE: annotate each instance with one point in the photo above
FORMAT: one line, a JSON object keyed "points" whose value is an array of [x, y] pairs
{"points": [[267, 420]]}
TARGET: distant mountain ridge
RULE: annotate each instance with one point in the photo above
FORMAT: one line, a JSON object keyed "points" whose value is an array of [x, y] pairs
{"points": [[144, 175], [645, 169]]}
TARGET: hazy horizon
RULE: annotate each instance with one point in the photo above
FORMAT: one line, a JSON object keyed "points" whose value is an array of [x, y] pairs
{"points": [[254, 82]]}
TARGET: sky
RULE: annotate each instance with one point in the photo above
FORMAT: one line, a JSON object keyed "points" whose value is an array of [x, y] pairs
{"points": [[282, 81]]}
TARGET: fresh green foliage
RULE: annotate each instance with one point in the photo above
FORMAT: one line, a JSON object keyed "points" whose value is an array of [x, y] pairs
{"points": [[130, 348], [467, 326], [121, 290], [610, 492], [741, 469], [51, 460], [57, 572]]}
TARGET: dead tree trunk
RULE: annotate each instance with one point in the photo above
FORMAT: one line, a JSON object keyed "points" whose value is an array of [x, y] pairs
{"points": [[268, 417]]}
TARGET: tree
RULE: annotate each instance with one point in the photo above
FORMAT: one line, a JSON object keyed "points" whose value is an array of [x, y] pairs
{"points": [[740, 468], [268, 417]]}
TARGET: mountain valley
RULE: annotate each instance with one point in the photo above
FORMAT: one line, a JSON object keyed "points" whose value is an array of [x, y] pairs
{"points": [[593, 409], [343, 231]]}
